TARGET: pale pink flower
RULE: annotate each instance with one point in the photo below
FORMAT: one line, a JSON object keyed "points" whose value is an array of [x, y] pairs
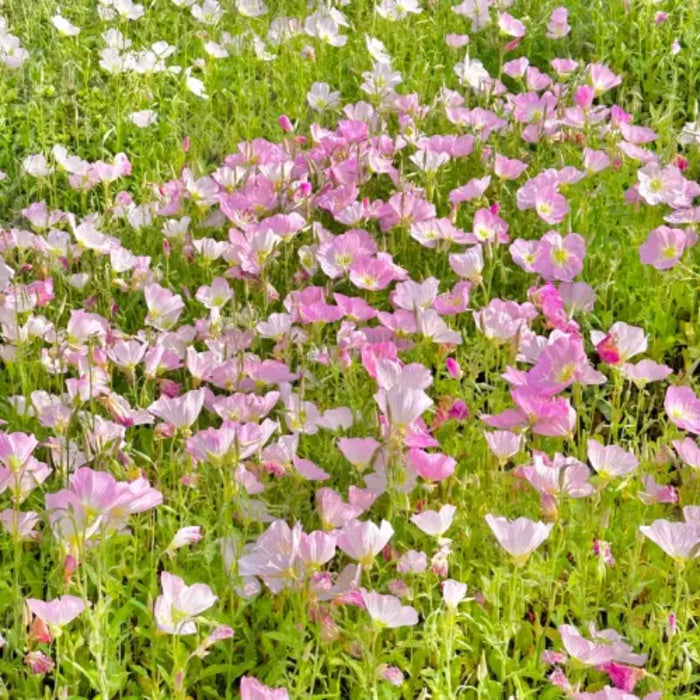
{"points": [[611, 461], [387, 611], [511, 26], [602, 78], [508, 168], [453, 593], [504, 444], [363, 540], [59, 611], [435, 523], [644, 371], [657, 493], [681, 541], [164, 307], [177, 607], [180, 412], [184, 536], [558, 25], [683, 408], [663, 247], [519, 537], [620, 343], [688, 451]]}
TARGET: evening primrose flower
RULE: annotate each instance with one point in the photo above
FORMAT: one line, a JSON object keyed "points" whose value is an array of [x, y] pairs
{"points": [[519, 537], [178, 606]]}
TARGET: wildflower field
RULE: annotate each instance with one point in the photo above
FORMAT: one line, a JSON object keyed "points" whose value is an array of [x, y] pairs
{"points": [[349, 349]]}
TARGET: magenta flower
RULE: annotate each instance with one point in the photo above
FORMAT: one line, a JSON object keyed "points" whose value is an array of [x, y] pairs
{"points": [[519, 537], [387, 611], [663, 248], [59, 611], [253, 689], [178, 605], [681, 541], [683, 408]]}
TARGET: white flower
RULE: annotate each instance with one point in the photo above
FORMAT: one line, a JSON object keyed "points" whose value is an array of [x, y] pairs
{"points": [[36, 166], [321, 98], [64, 26], [472, 72], [195, 85], [144, 118]]}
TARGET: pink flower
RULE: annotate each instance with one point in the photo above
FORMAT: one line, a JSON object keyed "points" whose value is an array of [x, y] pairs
{"points": [[611, 461], [38, 662], [387, 611], [683, 408], [511, 26], [363, 540], [559, 258], [59, 611], [432, 466], [583, 650], [392, 674], [508, 168], [502, 320], [688, 451], [620, 343], [550, 205], [681, 541], [663, 248], [184, 536], [253, 689], [558, 25], [519, 537], [359, 451], [602, 78], [178, 605], [624, 678], [657, 493]]}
